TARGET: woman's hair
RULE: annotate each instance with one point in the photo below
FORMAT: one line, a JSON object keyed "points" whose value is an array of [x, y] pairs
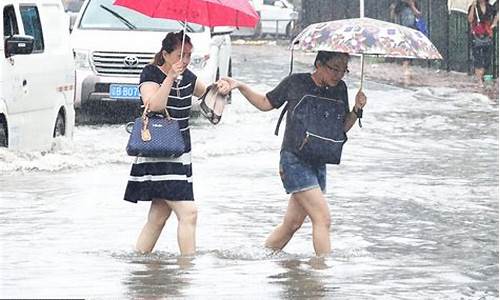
{"points": [[172, 41], [324, 56]]}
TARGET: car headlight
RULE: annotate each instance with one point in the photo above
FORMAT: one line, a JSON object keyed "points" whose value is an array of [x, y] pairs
{"points": [[82, 58], [199, 62]]}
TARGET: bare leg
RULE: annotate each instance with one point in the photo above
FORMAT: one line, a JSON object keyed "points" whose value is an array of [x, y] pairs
{"points": [[315, 205], [479, 75], [158, 215], [294, 217], [186, 213], [406, 72]]}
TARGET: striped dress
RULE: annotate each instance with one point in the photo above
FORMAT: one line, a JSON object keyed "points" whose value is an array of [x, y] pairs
{"points": [[166, 178]]}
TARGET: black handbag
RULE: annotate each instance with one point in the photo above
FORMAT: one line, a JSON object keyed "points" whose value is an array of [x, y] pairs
{"points": [[155, 135]]}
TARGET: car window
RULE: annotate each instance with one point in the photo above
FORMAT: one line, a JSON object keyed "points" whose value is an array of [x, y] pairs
{"points": [[32, 26], [9, 21], [102, 14]]}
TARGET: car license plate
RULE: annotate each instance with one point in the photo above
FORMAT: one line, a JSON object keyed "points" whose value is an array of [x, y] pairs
{"points": [[124, 91]]}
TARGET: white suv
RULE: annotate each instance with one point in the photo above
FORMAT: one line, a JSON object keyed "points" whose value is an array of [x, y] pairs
{"points": [[112, 44], [277, 17]]}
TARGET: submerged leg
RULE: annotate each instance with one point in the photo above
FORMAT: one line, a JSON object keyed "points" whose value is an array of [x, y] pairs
{"points": [[294, 218], [315, 205], [157, 216], [186, 213]]}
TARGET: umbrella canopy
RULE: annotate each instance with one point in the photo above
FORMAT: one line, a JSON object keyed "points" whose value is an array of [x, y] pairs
{"points": [[365, 36], [238, 13]]}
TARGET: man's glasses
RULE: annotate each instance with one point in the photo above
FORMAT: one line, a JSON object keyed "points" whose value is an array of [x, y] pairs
{"points": [[337, 70]]}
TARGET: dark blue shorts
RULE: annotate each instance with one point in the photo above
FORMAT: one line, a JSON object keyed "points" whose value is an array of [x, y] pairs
{"points": [[298, 176]]}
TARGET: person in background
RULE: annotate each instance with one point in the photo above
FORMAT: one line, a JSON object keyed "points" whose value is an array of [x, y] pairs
{"points": [[167, 84], [305, 181], [483, 18], [405, 12], [220, 49]]}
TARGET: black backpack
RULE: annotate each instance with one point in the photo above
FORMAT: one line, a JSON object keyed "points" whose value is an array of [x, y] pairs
{"points": [[317, 125]]}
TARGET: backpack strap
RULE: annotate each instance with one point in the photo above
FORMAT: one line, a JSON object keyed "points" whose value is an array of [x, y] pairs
{"points": [[283, 112]]}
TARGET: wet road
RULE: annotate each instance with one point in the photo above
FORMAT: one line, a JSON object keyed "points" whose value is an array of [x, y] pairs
{"points": [[414, 207]]}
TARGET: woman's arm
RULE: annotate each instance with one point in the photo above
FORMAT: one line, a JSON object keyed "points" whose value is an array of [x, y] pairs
{"points": [[155, 96], [495, 21], [471, 16], [199, 88], [413, 7]]}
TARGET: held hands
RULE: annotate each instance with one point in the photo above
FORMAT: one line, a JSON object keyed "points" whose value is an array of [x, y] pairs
{"points": [[223, 86], [360, 100], [227, 84]]}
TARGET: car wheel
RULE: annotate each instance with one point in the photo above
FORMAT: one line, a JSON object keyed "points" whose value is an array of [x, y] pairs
{"points": [[60, 127], [4, 134]]}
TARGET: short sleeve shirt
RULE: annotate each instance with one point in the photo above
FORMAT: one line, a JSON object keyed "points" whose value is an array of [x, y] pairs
{"points": [[293, 88], [179, 101]]}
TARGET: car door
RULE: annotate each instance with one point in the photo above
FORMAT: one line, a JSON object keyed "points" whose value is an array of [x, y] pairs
{"points": [[11, 67], [23, 87]]}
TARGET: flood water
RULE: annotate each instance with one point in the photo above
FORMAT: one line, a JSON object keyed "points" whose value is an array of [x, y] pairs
{"points": [[414, 207]]}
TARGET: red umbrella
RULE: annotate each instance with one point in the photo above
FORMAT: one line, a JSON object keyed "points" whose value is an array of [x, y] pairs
{"points": [[238, 13]]}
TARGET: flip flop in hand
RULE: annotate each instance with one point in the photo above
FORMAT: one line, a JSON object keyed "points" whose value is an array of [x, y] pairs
{"points": [[212, 104]]}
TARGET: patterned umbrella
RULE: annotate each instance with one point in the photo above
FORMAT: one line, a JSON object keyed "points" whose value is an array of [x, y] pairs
{"points": [[366, 36]]}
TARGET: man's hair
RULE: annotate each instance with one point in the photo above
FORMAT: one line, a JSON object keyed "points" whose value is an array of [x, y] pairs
{"points": [[324, 56]]}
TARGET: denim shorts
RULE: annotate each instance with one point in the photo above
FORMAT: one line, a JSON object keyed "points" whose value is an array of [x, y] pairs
{"points": [[298, 175]]}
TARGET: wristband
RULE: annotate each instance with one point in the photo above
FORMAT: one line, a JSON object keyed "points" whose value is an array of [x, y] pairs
{"points": [[359, 114]]}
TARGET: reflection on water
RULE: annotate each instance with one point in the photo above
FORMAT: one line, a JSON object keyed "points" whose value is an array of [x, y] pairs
{"points": [[157, 276], [414, 207], [300, 281]]}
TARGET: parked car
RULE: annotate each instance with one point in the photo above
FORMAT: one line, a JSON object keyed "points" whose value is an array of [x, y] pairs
{"points": [[37, 75], [72, 7], [277, 17], [112, 44]]}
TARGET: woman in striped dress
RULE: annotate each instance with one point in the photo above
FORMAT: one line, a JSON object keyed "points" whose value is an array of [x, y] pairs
{"points": [[166, 182]]}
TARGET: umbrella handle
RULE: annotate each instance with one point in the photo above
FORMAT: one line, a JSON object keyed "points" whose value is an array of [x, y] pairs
{"points": [[362, 71], [183, 39]]}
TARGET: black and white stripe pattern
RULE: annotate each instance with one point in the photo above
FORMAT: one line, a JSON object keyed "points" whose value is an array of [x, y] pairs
{"points": [[166, 178]]}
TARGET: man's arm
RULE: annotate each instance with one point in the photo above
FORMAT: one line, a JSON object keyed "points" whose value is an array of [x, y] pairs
{"points": [[256, 99], [350, 120], [351, 117]]}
